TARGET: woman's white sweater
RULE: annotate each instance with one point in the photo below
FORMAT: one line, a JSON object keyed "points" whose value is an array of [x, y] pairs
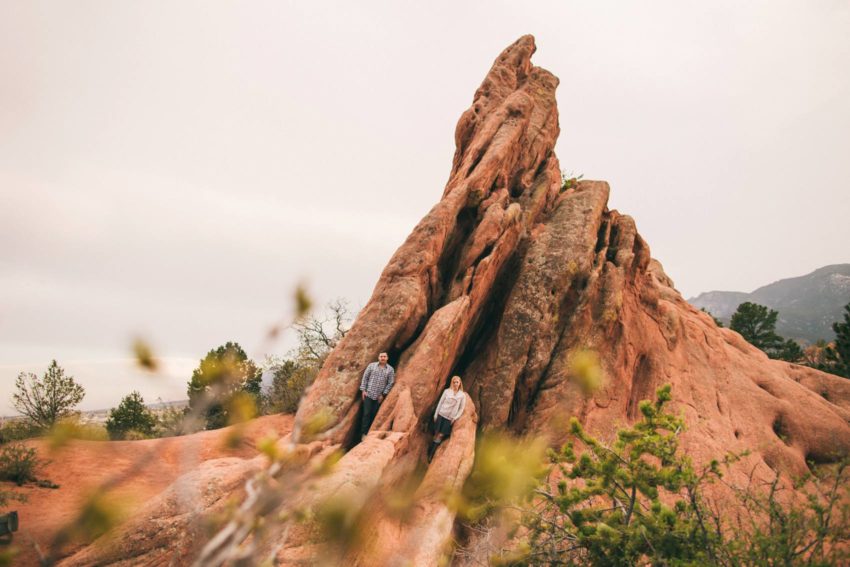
{"points": [[451, 404]]}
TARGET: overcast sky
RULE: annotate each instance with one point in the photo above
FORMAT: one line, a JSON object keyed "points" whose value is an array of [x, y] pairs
{"points": [[173, 169]]}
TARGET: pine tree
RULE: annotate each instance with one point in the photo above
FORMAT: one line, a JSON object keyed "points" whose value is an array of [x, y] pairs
{"points": [[225, 386], [130, 417], [837, 355], [635, 502], [757, 324], [641, 501], [789, 351]]}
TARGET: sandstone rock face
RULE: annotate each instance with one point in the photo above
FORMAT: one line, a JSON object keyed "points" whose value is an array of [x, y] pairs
{"points": [[430, 297], [507, 277], [510, 275], [169, 529]]}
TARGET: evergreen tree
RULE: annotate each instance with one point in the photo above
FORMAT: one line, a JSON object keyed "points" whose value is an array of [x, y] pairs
{"points": [[641, 501], [46, 400], [757, 324], [225, 386], [131, 416], [837, 355], [636, 502], [789, 351], [289, 380]]}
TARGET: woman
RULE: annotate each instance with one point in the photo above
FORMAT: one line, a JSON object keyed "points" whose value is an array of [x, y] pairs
{"points": [[448, 410]]}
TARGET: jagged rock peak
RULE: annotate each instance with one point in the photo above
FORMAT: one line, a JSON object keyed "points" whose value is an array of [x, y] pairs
{"points": [[504, 180]]}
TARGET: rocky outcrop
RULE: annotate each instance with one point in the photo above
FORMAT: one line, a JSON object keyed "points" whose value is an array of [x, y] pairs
{"points": [[168, 488], [172, 527], [507, 277], [510, 275], [431, 296]]}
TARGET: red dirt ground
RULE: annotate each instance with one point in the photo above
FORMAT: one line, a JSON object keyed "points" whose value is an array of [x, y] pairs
{"points": [[81, 467]]}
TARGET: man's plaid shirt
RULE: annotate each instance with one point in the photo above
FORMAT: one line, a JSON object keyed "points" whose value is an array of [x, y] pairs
{"points": [[377, 381]]}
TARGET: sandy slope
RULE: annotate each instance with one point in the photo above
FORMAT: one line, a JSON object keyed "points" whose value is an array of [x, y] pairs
{"points": [[148, 466]]}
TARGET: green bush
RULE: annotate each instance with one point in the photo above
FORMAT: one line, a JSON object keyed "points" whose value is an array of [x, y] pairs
{"points": [[810, 526], [609, 509], [17, 430], [18, 463], [131, 419], [837, 355], [290, 379], [225, 387], [171, 422], [8, 496], [757, 324], [640, 501], [73, 428]]}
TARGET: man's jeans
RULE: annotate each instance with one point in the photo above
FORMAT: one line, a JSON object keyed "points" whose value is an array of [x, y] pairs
{"points": [[370, 409]]}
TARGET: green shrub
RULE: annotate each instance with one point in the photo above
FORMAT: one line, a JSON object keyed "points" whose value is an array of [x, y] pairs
{"points": [[290, 379], [72, 428], [7, 496], [810, 526], [609, 509], [172, 421], [18, 463], [837, 355], [131, 419], [17, 430], [639, 501], [225, 387]]}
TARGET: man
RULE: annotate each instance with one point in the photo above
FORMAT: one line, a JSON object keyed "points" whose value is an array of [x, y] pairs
{"points": [[377, 382]]}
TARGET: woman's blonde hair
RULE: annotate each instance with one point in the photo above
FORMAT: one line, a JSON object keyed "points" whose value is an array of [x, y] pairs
{"points": [[459, 380]]}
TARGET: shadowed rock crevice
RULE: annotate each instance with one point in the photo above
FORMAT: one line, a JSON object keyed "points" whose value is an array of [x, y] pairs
{"points": [[448, 263], [643, 385], [487, 325]]}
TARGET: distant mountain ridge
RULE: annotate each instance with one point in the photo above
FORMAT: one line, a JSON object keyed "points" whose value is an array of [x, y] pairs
{"points": [[807, 305]]}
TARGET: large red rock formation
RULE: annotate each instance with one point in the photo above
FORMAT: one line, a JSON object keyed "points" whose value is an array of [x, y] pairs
{"points": [[430, 297], [507, 277]]}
